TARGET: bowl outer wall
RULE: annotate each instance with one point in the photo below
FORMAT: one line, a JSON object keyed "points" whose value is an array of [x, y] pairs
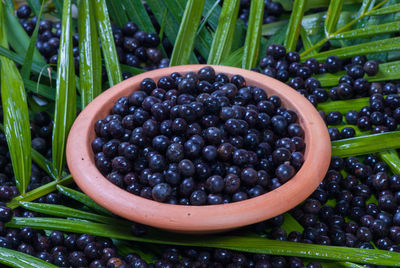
{"points": [[199, 219]]}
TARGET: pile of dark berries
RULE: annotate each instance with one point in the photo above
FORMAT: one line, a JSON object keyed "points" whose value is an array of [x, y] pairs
{"points": [[199, 138], [48, 40], [381, 115], [41, 128], [218, 258], [342, 211], [134, 47], [137, 48], [41, 133], [273, 10], [287, 68], [84, 250], [63, 250], [353, 84]]}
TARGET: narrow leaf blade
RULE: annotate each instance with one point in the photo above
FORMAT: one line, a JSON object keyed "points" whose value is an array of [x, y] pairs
{"points": [[15, 258], [223, 37], [207, 18], [35, 5], [248, 244], [67, 212], [38, 68], [16, 116], [65, 107], [137, 12], [43, 163], [305, 38], [17, 37], [39, 192], [107, 42], [26, 67], [203, 37], [80, 197], [332, 16], [386, 45], [369, 31], [293, 31], [58, 4], [386, 10], [16, 120], [89, 54], [366, 144], [253, 36], [235, 58], [117, 12], [184, 43], [392, 159], [343, 106]]}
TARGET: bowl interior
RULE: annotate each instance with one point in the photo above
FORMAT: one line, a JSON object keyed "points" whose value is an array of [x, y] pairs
{"points": [[199, 219]]}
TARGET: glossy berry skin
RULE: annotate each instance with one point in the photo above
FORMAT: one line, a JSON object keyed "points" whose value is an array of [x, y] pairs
{"points": [[356, 71], [347, 132], [333, 64], [334, 118], [285, 172], [371, 67], [198, 197], [161, 192], [23, 11], [5, 214]]}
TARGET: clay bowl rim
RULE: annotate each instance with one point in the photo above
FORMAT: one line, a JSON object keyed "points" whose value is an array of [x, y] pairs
{"points": [[199, 219]]}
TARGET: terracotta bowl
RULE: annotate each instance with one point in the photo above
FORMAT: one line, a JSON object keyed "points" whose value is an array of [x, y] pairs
{"points": [[199, 219]]}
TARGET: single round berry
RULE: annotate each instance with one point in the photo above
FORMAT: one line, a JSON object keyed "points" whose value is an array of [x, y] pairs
{"points": [[23, 11], [371, 67], [161, 192], [333, 64]]}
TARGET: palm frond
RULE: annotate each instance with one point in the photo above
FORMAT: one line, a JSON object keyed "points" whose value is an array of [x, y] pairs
{"points": [[65, 107]]}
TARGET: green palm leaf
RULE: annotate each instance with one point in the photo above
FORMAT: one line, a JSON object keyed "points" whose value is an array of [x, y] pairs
{"points": [[386, 10], [64, 211], [332, 16], [16, 115], [39, 192], [366, 144], [37, 68], [65, 109], [293, 30], [107, 42], [117, 12], [21, 260], [89, 54], [35, 5], [253, 36], [223, 37], [369, 31], [137, 12], [385, 45], [26, 67], [392, 159], [84, 199], [248, 244], [17, 37], [184, 43]]}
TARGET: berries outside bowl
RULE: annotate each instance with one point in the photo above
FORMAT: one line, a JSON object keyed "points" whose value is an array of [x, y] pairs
{"points": [[206, 218]]}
